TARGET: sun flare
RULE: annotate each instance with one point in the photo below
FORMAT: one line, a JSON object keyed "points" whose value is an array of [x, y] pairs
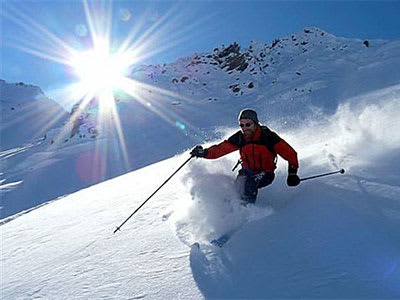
{"points": [[100, 72], [99, 60]]}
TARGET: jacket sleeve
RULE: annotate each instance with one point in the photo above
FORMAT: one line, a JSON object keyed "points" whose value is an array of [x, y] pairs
{"points": [[287, 152], [221, 149]]}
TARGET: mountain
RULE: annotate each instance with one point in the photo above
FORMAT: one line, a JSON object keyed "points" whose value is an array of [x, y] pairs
{"points": [[307, 67], [304, 78], [26, 114], [335, 100]]}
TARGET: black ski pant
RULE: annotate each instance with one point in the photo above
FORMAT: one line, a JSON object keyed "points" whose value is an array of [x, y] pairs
{"points": [[248, 184]]}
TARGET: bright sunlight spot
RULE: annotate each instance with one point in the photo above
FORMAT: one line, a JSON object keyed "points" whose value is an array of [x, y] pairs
{"points": [[100, 71]]}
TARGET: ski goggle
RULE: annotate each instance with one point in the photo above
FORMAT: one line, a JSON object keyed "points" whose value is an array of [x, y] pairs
{"points": [[245, 124]]}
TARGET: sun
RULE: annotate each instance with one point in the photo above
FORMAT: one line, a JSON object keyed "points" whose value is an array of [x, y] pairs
{"points": [[100, 59], [99, 65], [100, 72]]}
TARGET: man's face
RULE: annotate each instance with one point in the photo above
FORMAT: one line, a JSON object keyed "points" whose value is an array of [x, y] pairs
{"points": [[248, 127]]}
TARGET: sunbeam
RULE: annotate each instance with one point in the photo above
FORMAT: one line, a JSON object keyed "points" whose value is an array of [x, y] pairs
{"points": [[101, 67], [99, 71], [55, 44]]}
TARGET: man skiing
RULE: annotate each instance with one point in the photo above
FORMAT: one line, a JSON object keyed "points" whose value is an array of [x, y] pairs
{"points": [[258, 147]]}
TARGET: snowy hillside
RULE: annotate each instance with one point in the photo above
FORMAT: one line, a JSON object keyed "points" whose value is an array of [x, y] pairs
{"points": [[329, 238], [292, 82], [26, 114], [312, 68]]}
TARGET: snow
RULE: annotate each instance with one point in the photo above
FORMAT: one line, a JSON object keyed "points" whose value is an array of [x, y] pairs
{"points": [[210, 210], [26, 114], [86, 239], [332, 237]]}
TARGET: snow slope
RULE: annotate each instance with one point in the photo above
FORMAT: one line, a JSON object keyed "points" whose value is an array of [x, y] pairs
{"points": [[26, 114], [334, 237]]}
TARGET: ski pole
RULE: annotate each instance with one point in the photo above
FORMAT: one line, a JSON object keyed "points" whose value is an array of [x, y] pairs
{"points": [[341, 171], [137, 209]]}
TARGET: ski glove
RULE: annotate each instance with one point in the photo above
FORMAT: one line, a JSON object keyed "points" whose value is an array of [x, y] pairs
{"points": [[292, 179], [198, 151]]}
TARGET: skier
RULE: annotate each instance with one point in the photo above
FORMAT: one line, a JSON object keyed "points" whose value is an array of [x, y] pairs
{"points": [[258, 147]]}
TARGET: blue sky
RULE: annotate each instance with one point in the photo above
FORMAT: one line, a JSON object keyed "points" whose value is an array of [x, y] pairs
{"points": [[186, 27]]}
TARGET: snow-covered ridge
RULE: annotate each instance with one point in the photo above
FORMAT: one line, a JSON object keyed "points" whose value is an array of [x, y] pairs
{"points": [[20, 92], [289, 60], [26, 114], [258, 56]]}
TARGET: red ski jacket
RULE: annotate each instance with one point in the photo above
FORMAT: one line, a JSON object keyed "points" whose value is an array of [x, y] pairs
{"points": [[257, 153]]}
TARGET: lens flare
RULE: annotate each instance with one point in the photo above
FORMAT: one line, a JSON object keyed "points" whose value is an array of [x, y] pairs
{"points": [[81, 30], [101, 64], [125, 15]]}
